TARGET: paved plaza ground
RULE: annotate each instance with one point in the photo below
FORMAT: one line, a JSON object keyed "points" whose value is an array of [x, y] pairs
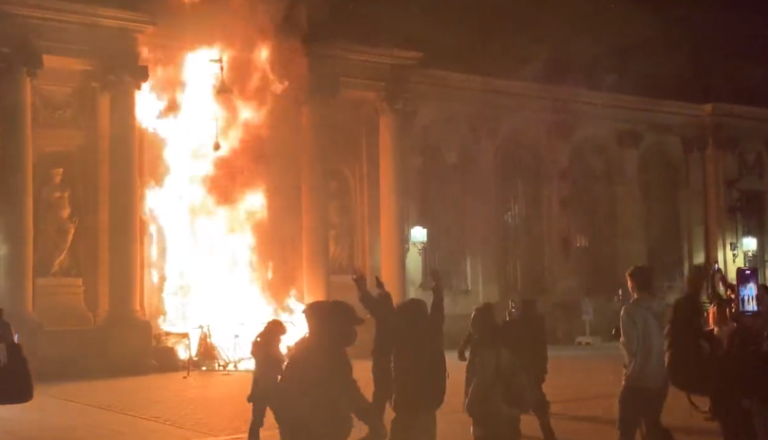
{"points": [[582, 386]]}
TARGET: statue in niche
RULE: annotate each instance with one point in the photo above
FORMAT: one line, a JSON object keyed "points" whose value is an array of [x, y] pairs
{"points": [[340, 227], [55, 228]]}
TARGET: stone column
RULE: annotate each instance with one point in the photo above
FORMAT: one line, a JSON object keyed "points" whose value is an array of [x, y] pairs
{"points": [[124, 208], [687, 203], [631, 210], [711, 182], [17, 252], [486, 241], [129, 336], [391, 175], [314, 204], [102, 139]]}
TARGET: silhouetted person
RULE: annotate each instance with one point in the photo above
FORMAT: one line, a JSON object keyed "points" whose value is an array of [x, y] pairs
{"points": [[525, 334], [269, 366], [645, 385], [466, 344], [382, 309], [6, 338], [491, 370], [690, 363], [6, 330], [317, 394], [15, 378], [419, 366]]}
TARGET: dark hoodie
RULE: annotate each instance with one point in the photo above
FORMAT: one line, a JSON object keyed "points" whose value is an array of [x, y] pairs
{"points": [[318, 393], [642, 342]]}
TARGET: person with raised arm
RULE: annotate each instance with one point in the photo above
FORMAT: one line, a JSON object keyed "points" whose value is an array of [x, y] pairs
{"points": [[382, 309], [419, 366]]}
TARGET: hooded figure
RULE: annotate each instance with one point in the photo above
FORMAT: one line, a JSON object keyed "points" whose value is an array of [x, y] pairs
{"points": [[317, 394], [419, 366]]}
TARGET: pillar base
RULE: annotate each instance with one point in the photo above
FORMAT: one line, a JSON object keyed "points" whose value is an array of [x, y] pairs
{"points": [[127, 343], [66, 354], [60, 304]]}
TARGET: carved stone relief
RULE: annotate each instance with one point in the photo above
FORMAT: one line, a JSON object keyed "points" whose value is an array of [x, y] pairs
{"points": [[745, 168], [57, 107]]}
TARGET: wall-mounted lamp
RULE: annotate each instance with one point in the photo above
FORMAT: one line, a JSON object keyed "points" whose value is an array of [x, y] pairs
{"points": [[749, 244], [419, 238]]}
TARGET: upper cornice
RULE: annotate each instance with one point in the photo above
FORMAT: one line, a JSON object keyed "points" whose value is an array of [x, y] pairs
{"points": [[365, 54], [430, 80], [76, 13]]}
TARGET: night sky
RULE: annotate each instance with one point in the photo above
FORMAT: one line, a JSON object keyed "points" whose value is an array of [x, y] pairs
{"points": [[688, 50]]}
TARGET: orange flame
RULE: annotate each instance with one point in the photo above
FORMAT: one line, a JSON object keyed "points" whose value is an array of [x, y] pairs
{"points": [[213, 277]]}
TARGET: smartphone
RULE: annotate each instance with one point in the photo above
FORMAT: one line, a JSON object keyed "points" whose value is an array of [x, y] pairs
{"points": [[747, 281]]}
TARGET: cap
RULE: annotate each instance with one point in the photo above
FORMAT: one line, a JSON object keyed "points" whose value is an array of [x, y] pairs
{"points": [[333, 311], [275, 327]]}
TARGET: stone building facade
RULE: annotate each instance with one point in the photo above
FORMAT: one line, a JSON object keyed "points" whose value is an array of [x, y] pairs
{"points": [[524, 189]]}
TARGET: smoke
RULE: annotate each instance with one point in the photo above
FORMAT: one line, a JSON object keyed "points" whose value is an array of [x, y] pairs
{"points": [[264, 62]]}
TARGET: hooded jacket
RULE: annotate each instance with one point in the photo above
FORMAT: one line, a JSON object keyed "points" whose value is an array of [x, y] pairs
{"points": [[642, 342]]}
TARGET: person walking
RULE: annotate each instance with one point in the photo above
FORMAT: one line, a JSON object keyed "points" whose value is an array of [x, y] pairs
{"points": [[491, 370], [645, 384], [317, 394], [269, 366], [526, 337]]}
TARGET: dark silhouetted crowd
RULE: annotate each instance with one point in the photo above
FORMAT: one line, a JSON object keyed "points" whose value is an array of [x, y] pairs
{"points": [[315, 396]]}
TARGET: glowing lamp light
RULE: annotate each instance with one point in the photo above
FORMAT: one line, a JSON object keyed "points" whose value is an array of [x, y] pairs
{"points": [[749, 244], [419, 238]]}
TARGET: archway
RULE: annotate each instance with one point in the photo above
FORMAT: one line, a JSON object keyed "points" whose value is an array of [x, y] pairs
{"points": [[659, 180], [519, 216], [592, 207], [444, 203]]}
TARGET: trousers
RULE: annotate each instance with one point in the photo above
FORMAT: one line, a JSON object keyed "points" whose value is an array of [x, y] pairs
{"points": [[642, 406], [540, 409], [420, 426]]}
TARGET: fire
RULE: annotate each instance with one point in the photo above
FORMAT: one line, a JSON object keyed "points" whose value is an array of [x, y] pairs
{"points": [[204, 250]]}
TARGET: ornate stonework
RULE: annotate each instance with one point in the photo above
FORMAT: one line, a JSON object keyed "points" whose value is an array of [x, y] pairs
{"points": [[57, 107]]}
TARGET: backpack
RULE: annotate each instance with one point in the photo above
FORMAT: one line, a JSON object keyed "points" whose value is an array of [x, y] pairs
{"points": [[509, 387], [690, 367]]}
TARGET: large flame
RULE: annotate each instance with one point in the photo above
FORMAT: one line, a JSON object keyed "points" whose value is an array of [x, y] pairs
{"points": [[213, 277]]}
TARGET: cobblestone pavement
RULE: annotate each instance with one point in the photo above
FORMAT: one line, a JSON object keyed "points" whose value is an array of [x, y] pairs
{"points": [[582, 386]]}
